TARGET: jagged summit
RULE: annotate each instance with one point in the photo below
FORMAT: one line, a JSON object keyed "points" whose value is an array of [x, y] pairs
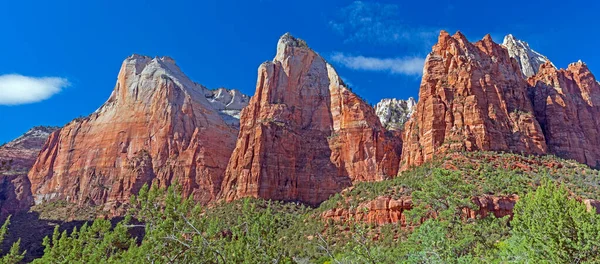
{"points": [[289, 40], [288, 46], [529, 59], [393, 113], [305, 136], [33, 137], [229, 102], [157, 126], [578, 63]]}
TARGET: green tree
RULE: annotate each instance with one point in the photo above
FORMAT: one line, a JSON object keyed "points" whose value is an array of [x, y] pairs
{"points": [[13, 255], [550, 227]]}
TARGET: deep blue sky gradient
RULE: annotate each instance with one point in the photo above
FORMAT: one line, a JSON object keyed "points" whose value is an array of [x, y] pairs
{"points": [[221, 43]]}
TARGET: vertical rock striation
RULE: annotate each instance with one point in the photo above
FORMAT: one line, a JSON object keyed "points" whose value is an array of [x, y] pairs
{"points": [[305, 136], [157, 127], [567, 105], [473, 97]]}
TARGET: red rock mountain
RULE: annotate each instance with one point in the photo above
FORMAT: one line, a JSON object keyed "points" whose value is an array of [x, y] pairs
{"points": [[157, 126], [16, 158], [305, 136], [473, 97], [567, 105]]}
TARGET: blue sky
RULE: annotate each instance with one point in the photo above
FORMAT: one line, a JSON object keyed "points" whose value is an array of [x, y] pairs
{"points": [[66, 55]]}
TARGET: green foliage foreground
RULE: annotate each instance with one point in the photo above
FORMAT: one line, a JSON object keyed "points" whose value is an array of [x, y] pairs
{"points": [[548, 227]]}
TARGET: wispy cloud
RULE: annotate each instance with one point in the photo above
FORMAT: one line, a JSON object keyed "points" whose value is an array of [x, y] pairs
{"points": [[378, 23], [18, 89], [405, 66]]}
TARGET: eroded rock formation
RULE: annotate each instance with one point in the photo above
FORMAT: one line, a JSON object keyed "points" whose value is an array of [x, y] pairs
{"points": [[305, 136], [229, 102], [473, 97], [567, 106], [529, 60], [394, 113], [157, 127], [16, 158], [386, 210]]}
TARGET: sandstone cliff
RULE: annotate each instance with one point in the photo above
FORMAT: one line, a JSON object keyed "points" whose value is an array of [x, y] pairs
{"points": [[567, 106], [16, 158], [472, 97], [305, 136], [157, 127]]}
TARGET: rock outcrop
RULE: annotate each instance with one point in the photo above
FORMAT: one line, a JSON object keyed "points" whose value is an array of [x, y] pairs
{"points": [[567, 106], [157, 127], [386, 210], [472, 97], [16, 158], [394, 113], [229, 103], [305, 136], [529, 60]]}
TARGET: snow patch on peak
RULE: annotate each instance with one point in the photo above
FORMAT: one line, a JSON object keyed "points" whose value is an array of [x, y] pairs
{"points": [[393, 113], [529, 60]]}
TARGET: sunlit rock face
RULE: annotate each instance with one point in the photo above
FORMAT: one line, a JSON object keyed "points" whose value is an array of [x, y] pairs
{"points": [[394, 113], [157, 127], [305, 136], [529, 60], [473, 96]]}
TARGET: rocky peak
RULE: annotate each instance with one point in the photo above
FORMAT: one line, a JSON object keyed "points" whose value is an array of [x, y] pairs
{"points": [[304, 136], [567, 105], [393, 113], [157, 127], [472, 97], [34, 138], [140, 76], [529, 60], [229, 102], [16, 158], [289, 46]]}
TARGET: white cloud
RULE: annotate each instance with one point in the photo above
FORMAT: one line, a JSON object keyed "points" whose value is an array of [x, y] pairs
{"points": [[405, 66], [17, 89], [378, 23]]}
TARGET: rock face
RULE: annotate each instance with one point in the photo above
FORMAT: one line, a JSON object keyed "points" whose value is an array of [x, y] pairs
{"points": [[229, 102], [472, 97], [157, 127], [394, 113], [305, 136], [529, 59], [567, 105], [386, 210], [16, 158]]}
